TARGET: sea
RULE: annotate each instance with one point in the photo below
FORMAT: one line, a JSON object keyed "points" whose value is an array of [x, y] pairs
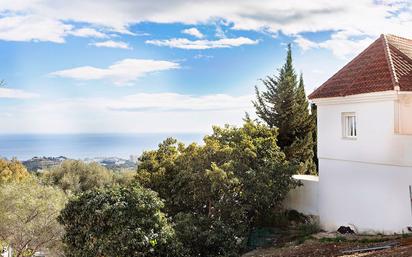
{"points": [[81, 146]]}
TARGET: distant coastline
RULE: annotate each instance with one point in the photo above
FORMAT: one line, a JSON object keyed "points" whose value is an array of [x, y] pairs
{"points": [[83, 146], [37, 164]]}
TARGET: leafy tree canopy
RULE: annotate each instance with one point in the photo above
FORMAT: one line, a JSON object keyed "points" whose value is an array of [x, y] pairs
{"points": [[28, 213], [215, 192], [12, 171], [117, 222], [76, 176]]}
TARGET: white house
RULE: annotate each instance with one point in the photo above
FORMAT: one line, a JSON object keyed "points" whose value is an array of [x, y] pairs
{"points": [[365, 141]]}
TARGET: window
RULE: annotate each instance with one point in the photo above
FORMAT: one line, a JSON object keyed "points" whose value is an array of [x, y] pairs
{"points": [[349, 125]]}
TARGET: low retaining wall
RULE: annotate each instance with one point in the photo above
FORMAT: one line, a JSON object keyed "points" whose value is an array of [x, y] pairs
{"points": [[304, 199]]}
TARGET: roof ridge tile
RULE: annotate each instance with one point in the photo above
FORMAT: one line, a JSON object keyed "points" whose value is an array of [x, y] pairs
{"points": [[390, 63], [398, 37]]}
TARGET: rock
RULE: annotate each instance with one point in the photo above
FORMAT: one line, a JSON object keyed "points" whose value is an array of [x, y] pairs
{"points": [[345, 230]]}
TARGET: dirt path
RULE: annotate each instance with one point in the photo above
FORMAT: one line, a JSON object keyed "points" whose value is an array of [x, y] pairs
{"points": [[314, 248]]}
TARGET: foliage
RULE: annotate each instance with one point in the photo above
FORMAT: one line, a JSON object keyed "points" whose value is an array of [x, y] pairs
{"points": [[306, 230], [216, 191], [123, 177], [76, 176], [284, 105], [314, 113], [12, 171], [117, 222], [210, 236], [28, 216]]}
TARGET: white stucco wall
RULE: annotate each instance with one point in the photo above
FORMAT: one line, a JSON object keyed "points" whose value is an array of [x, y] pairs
{"points": [[365, 181], [376, 142], [405, 114], [372, 197], [304, 199]]}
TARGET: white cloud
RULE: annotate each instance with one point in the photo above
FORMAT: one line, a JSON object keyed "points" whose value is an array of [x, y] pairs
{"points": [[38, 28], [32, 28], [184, 43], [112, 44], [304, 43], [87, 32], [340, 44], [16, 94], [346, 48], [193, 32], [158, 112], [121, 73], [293, 17]]}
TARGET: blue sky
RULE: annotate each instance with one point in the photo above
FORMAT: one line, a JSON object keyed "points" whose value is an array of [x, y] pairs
{"points": [[168, 66]]}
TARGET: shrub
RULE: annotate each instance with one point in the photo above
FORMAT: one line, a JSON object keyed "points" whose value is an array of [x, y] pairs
{"points": [[76, 176], [12, 171]]}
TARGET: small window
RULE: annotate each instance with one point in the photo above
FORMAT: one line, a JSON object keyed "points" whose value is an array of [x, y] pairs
{"points": [[349, 125]]}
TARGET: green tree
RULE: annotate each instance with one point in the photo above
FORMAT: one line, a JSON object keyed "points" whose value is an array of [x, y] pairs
{"points": [[124, 177], [76, 176], [12, 171], [215, 192], [117, 222], [284, 105], [314, 113], [28, 213]]}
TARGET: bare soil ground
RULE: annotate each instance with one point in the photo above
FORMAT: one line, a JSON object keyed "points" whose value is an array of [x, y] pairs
{"points": [[334, 247]]}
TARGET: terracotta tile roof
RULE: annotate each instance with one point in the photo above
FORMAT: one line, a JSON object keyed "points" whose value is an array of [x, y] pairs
{"points": [[385, 65]]}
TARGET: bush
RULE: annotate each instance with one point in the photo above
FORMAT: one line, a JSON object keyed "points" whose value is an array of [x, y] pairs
{"points": [[208, 237], [12, 171], [308, 229], [75, 176], [117, 222]]}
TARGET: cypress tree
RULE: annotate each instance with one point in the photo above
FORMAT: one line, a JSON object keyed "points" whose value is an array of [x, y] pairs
{"points": [[277, 103], [314, 113], [284, 105]]}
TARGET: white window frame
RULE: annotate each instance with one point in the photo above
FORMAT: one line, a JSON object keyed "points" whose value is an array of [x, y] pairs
{"points": [[349, 125]]}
